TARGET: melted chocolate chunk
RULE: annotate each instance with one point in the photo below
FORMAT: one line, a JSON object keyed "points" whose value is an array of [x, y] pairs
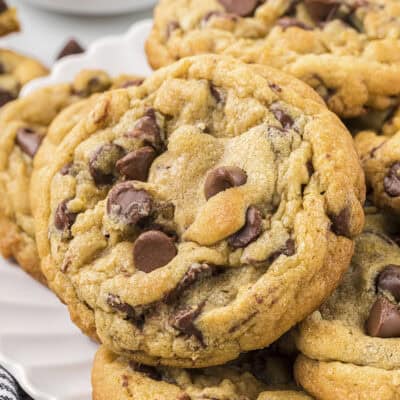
{"points": [[288, 250], [71, 47], [132, 82], [341, 223], [243, 8], [152, 250], [288, 22], [151, 372], [63, 218], [195, 273], [128, 204], [251, 230], [66, 169], [147, 129], [3, 6], [389, 279], [116, 303], [102, 163], [28, 141], [384, 319], [217, 93], [391, 182], [222, 178], [322, 10], [136, 164], [285, 119], [276, 88], [184, 319], [6, 96], [172, 26]]}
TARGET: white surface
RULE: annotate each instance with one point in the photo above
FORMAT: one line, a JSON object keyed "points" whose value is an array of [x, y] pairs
{"points": [[39, 345], [93, 7], [44, 33], [116, 55]]}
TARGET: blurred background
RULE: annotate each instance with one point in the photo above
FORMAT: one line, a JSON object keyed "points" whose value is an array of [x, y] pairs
{"points": [[44, 31]]}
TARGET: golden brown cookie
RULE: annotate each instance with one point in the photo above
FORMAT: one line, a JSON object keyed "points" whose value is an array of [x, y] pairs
{"points": [[347, 50], [179, 218], [351, 346], [8, 19], [23, 124]]}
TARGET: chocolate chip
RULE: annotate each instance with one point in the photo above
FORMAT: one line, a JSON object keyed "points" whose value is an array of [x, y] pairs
{"points": [[151, 372], [285, 119], [116, 303], [288, 250], [322, 10], [63, 218], [66, 169], [184, 319], [3, 6], [71, 47], [102, 163], [147, 129], [222, 178], [341, 222], [195, 273], [391, 182], [251, 230], [389, 279], [6, 96], [128, 204], [276, 88], [152, 250], [384, 319], [242, 8], [136, 164], [288, 22], [172, 26], [29, 141], [132, 82], [216, 93]]}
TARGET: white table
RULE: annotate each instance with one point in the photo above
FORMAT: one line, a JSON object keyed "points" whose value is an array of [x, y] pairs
{"points": [[44, 33]]}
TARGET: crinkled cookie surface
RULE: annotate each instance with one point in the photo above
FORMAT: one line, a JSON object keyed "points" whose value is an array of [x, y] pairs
{"points": [[345, 49], [351, 345], [260, 377], [201, 214], [24, 123]]}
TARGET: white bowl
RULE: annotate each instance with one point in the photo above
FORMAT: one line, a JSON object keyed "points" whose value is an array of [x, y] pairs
{"points": [[93, 7]]}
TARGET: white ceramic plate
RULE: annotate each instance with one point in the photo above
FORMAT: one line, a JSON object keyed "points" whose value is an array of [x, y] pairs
{"points": [[93, 7], [39, 345]]}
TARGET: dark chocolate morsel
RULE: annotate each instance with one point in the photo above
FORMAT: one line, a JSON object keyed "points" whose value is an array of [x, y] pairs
{"points": [[102, 163], [389, 279], [285, 119], [63, 218], [322, 10], [184, 319], [116, 303], [251, 230], [147, 129], [222, 178], [136, 164], [151, 372], [391, 182], [384, 319], [3, 6], [6, 96], [127, 204], [341, 222], [152, 250], [71, 47], [243, 8], [29, 141]]}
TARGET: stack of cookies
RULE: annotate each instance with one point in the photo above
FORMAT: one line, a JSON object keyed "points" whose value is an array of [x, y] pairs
{"points": [[206, 224]]}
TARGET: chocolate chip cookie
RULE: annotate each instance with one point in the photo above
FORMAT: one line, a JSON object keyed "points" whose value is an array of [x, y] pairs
{"points": [[378, 147], [23, 125], [351, 346], [258, 377], [15, 71], [181, 217], [8, 19], [347, 50]]}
